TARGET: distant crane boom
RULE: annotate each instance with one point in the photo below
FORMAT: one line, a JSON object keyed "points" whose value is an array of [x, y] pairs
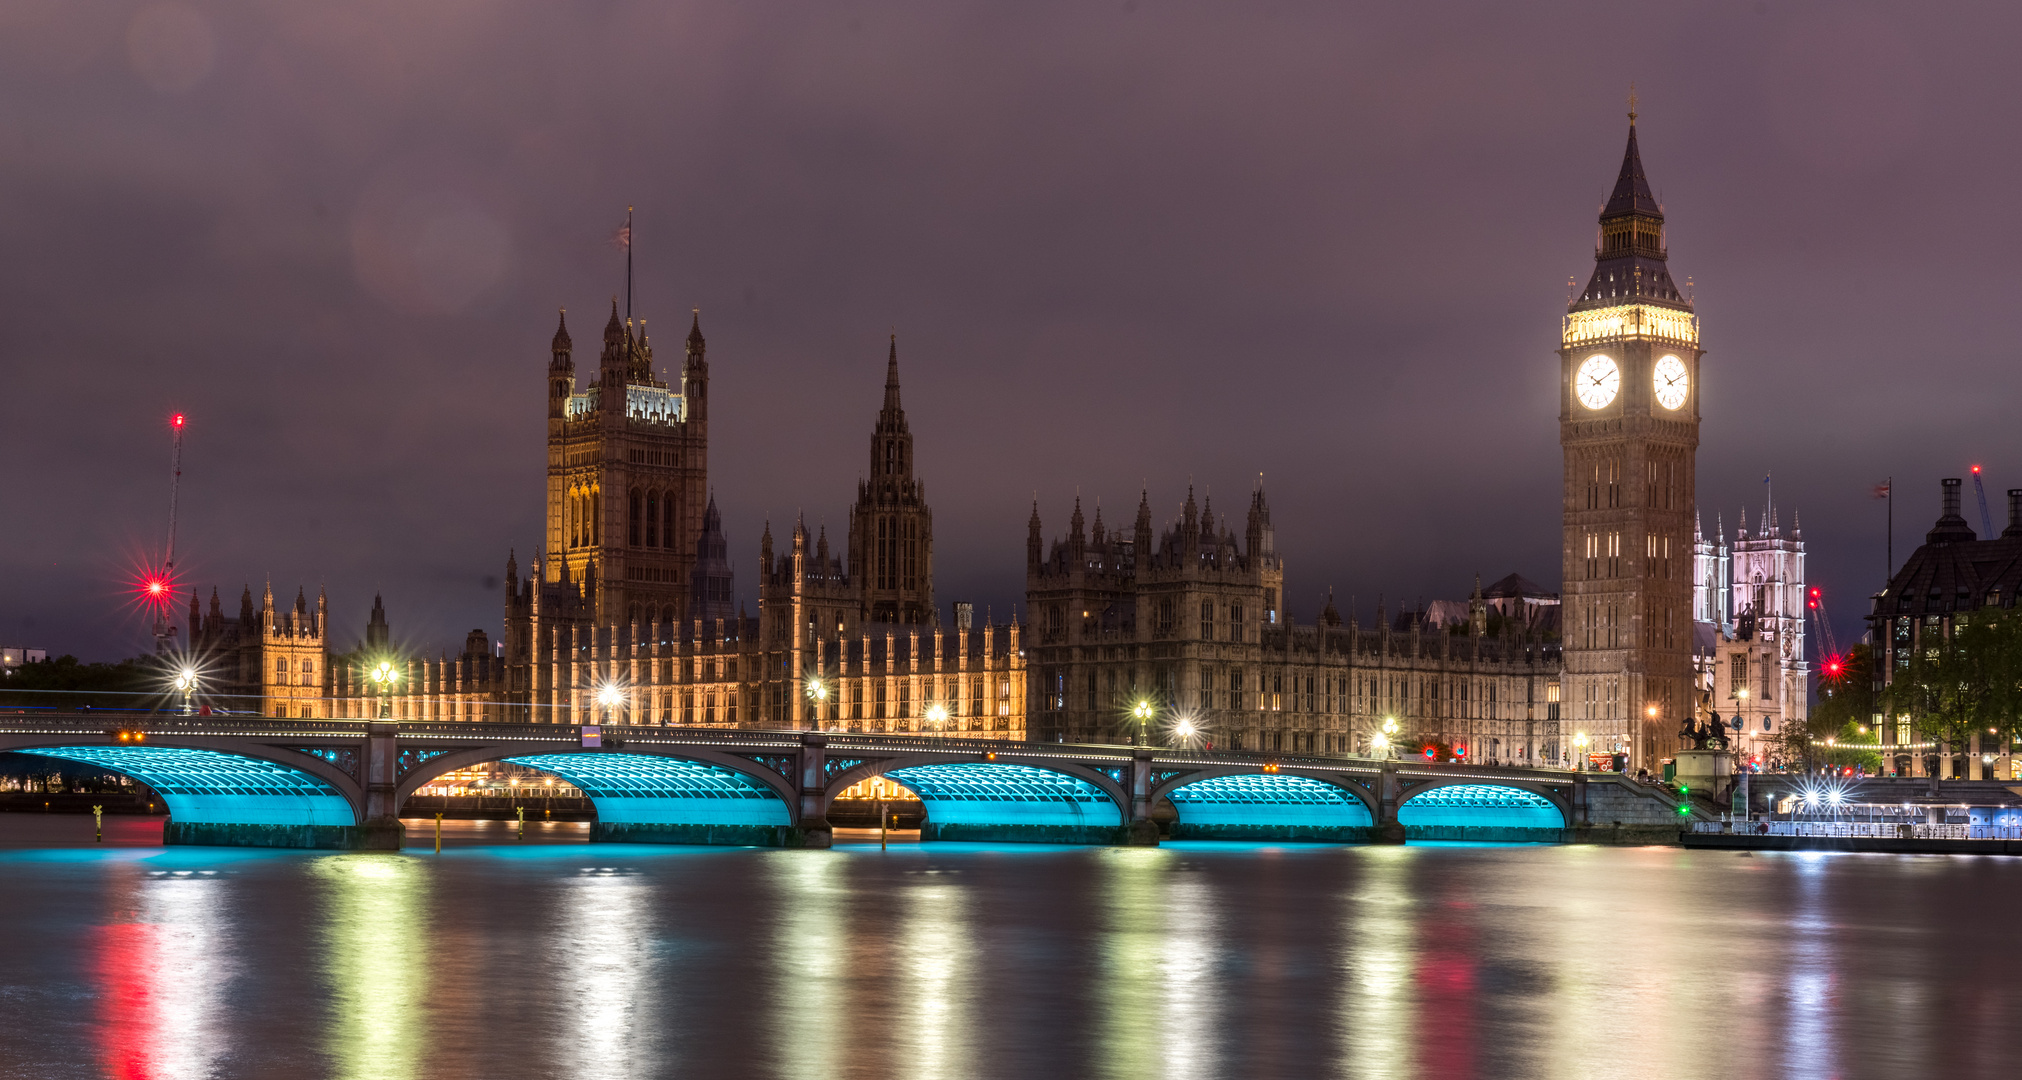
{"points": [[1830, 662], [1986, 522], [164, 585], [176, 482]]}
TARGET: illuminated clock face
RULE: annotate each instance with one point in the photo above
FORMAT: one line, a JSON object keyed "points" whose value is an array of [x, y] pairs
{"points": [[1672, 382], [1597, 381]]}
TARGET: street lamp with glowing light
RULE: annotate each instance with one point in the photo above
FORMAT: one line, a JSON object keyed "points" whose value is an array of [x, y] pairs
{"points": [[937, 715], [186, 681], [610, 697], [817, 694], [1580, 750], [1142, 713], [384, 675]]}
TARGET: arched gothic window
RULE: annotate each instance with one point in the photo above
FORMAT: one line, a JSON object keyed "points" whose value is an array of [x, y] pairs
{"points": [[652, 519]]}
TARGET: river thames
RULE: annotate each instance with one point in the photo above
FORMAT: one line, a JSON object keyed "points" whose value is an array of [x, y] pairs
{"points": [[551, 957]]}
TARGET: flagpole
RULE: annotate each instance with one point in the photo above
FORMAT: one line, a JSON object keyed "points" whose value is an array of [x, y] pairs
{"points": [[628, 266], [1891, 568]]}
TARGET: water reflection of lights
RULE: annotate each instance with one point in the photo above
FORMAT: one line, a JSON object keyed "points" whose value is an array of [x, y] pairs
{"points": [[810, 949], [937, 960], [375, 947], [162, 974], [602, 949], [1380, 952], [1810, 1040], [1191, 984], [1133, 896]]}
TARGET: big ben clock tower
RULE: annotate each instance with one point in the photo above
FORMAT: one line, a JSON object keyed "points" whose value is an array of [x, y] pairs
{"points": [[1629, 425]]}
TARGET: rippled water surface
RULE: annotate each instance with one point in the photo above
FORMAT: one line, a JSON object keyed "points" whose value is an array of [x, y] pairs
{"points": [[549, 957]]}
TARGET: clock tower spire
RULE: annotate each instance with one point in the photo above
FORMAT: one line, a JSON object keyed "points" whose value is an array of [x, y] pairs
{"points": [[1629, 428]]}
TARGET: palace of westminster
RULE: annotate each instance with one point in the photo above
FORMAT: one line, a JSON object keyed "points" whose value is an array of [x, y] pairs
{"points": [[627, 614]]}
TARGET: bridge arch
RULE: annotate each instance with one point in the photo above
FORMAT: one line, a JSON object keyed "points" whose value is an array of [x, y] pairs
{"points": [[228, 797], [645, 793], [967, 799], [1248, 804], [1482, 809]]}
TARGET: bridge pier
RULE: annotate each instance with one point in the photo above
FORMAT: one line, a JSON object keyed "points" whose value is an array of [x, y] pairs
{"points": [[1387, 830], [811, 827], [380, 829], [1141, 830]]}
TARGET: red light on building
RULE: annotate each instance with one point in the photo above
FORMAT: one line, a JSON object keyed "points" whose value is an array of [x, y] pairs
{"points": [[178, 420]]}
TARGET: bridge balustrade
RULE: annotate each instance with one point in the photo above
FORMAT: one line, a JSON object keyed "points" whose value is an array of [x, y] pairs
{"points": [[238, 779]]}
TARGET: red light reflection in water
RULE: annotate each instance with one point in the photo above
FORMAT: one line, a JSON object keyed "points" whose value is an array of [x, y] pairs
{"points": [[158, 973], [127, 961], [1447, 997]]}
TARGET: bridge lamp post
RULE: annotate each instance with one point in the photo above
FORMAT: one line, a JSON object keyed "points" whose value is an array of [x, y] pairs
{"points": [[1142, 712], [817, 694], [384, 675], [186, 681], [937, 715], [1580, 750], [609, 697]]}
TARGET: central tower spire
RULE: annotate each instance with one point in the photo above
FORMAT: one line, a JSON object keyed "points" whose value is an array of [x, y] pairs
{"points": [[891, 527]]}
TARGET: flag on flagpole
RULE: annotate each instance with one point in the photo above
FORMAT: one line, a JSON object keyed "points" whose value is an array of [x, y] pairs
{"points": [[1882, 490]]}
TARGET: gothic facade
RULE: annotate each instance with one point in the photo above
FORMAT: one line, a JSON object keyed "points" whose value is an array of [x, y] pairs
{"points": [[268, 661], [1629, 430], [628, 469], [1190, 620], [1748, 611], [630, 617]]}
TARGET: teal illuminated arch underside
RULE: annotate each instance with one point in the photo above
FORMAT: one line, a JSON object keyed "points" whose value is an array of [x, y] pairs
{"points": [[1479, 806], [988, 801], [1268, 807], [639, 789], [205, 787]]}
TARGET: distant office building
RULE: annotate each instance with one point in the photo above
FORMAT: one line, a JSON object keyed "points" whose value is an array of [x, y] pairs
{"points": [[1954, 575], [14, 658]]}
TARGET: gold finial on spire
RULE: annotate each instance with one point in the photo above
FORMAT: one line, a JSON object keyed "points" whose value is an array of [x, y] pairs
{"points": [[1632, 104]]}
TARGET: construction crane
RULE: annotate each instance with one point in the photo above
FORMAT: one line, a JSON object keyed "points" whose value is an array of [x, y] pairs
{"points": [[1831, 664], [1986, 522], [161, 589]]}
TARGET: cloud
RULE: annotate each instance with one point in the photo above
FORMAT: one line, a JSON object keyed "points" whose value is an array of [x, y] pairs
{"points": [[170, 47]]}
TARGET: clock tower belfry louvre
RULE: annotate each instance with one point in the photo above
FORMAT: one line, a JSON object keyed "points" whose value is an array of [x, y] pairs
{"points": [[1629, 426]]}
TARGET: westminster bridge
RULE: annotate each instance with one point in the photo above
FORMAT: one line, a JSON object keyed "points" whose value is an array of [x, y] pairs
{"points": [[252, 781]]}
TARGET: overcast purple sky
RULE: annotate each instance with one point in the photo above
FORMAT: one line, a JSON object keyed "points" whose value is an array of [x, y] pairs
{"points": [[1120, 243]]}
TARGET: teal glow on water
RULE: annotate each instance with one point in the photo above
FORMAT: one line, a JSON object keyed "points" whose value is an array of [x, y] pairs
{"points": [[552, 957]]}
